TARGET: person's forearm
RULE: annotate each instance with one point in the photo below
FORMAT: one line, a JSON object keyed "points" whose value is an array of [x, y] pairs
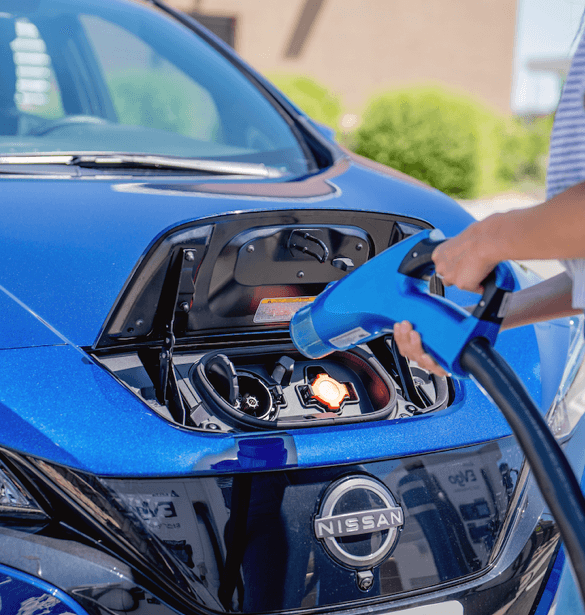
{"points": [[545, 301], [551, 230]]}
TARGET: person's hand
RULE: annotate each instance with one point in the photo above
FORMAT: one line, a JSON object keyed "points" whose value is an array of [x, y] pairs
{"points": [[410, 346], [466, 260], [463, 261]]}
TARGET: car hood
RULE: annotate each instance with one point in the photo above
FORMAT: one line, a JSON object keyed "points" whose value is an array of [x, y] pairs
{"points": [[68, 246]]}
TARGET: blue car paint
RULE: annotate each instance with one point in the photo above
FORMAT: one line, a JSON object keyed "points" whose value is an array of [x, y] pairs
{"points": [[23, 593], [553, 348], [29, 331]]}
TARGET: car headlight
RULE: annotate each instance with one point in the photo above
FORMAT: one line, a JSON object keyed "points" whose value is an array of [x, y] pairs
{"points": [[15, 501], [569, 404]]}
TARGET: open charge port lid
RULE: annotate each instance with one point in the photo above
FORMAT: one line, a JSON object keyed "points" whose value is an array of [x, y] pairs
{"points": [[235, 270]]}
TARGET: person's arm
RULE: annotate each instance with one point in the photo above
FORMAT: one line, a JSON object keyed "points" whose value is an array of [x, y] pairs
{"points": [[554, 229], [545, 301]]}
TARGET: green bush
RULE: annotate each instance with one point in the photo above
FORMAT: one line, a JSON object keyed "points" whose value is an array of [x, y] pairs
{"points": [[453, 142], [314, 99], [433, 135], [524, 148]]}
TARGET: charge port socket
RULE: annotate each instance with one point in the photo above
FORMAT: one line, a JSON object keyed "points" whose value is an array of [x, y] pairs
{"points": [[254, 398], [343, 393]]}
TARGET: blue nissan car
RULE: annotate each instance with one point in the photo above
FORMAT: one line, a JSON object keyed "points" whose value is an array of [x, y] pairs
{"points": [[164, 448]]}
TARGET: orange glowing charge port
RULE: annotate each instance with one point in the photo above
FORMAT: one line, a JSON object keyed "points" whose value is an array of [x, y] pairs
{"points": [[328, 391]]}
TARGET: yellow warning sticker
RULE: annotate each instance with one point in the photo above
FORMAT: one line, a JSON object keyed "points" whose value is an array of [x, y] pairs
{"points": [[280, 309]]}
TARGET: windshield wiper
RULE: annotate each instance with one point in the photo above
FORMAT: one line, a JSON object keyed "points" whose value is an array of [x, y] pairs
{"points": [[222, 167], [102, 161]]}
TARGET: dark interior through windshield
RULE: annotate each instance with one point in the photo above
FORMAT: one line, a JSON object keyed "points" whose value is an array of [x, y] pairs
{"points": [[89, 77]]}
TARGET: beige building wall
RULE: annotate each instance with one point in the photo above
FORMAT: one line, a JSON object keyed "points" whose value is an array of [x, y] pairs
{"points": [[358, 48]]}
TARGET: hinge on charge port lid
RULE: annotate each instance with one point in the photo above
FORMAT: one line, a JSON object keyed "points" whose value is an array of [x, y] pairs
{"points": [[178, 288]]}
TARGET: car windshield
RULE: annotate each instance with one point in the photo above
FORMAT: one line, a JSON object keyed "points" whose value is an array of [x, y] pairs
{"points": [[113, 77]]}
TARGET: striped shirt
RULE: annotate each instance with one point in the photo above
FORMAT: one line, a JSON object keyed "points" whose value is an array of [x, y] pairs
{"points": [[566, 165]]}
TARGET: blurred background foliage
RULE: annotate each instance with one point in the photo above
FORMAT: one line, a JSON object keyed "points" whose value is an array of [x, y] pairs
{"points": [[447, 139], [314, 99]]}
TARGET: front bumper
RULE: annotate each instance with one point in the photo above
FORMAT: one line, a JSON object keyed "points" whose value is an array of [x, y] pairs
{"points": [[164, 557]]}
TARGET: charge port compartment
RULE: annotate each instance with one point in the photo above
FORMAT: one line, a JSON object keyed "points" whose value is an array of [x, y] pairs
{"points": [[269, 389], [200, 332]]}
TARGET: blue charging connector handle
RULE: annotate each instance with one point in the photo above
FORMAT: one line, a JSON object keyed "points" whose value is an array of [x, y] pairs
{"points": [[418, 263], [392, 287]]}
